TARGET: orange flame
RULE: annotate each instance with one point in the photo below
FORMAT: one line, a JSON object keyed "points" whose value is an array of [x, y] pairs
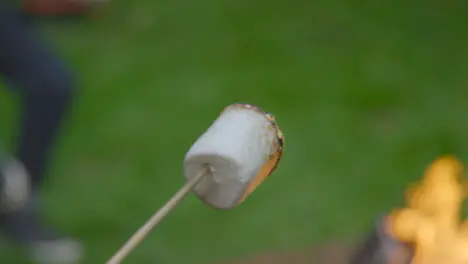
{"points": [[431, 221]]}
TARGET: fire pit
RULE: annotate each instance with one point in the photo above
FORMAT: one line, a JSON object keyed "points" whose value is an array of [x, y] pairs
{"points": [[429, 230]]}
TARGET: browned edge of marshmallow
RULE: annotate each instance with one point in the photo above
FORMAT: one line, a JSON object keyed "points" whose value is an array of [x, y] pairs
{"points": [[274, 158]]}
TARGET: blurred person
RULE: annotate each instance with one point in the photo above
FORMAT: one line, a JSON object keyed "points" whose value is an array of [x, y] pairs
{"points": [[46, 90], [54, 7], [58, 7]]}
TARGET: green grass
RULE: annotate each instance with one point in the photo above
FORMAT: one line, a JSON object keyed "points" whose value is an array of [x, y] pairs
{"points": [[366, 95]]}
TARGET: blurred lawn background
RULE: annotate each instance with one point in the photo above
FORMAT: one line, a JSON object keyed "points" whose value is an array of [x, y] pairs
{"points": [[366, 94]]}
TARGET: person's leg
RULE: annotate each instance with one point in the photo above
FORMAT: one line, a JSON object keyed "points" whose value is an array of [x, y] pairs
{"points": [[46, 89], [44, 86]]}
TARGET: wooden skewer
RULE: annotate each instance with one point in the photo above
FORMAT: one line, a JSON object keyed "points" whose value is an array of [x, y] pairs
{"points": [[157, 217]]}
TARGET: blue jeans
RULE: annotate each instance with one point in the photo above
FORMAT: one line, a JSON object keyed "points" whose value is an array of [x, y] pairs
{"points": [[43, 84]]}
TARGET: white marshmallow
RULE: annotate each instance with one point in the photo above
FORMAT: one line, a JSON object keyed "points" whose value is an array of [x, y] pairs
{"points": [[241, 148]]}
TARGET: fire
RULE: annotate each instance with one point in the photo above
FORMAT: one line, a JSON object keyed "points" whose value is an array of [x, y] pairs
{"points": [[431, 222]]}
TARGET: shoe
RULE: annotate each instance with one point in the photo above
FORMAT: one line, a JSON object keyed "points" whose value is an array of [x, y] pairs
{"points": [[44, 245], [21, 222], [14, 185]]}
